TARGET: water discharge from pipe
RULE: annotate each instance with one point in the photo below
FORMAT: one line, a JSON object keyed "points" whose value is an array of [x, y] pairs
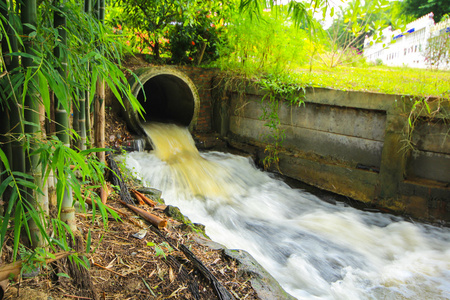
{"points": [[194, 175], [315, 249]]}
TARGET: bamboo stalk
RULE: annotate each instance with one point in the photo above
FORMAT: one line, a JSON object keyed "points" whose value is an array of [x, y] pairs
{"points": [[62, 116], [144, 198], [31, 116], [88, 6], [75, 122], [82, 121], [4, 110], [153, 219], [17, 131], [100, 119], [87, 105], [88, 120], [100, 99], [138, 198], [101, 11], [11, 63]]}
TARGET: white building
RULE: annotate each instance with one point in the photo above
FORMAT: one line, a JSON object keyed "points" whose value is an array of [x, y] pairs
{"points": [[405, 48]]}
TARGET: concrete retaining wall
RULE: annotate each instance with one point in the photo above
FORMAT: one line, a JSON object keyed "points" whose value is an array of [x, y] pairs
{"points": [[351, 143]]}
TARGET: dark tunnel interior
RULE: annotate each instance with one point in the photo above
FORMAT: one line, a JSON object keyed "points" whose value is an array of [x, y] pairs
{"points": [[167, 98]]}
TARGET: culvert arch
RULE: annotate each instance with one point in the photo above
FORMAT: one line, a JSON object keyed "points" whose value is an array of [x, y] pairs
{"points": [[166, 94]]}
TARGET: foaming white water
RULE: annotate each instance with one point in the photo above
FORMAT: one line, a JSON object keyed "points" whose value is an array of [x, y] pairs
{"points": [[316, 250]]}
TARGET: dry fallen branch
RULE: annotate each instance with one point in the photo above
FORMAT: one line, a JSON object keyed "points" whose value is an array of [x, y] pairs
{"points": [[154, 220], [143, 198], [13, 269], [76, 297], [105, 268], [104, 194]]}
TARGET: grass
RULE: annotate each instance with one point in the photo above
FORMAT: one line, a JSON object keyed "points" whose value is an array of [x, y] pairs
{"points": [[388, 80]]}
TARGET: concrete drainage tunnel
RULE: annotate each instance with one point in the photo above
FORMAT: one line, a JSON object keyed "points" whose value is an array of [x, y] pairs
{"points": [[166, 95]]}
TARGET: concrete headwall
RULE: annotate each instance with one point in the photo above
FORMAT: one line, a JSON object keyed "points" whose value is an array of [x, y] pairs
{"points": [[174, 86], [351, 143], [202, 78]]}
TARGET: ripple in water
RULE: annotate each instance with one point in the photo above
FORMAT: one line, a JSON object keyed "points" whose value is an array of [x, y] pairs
{"points": [[316, 250]]}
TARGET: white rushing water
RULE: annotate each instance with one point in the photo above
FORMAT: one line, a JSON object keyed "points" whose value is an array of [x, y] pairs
{"points": [[316, 250]]}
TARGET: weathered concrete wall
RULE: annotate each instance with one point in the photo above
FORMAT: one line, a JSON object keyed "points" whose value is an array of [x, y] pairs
{"points": [[202, 78], [351, 143]]}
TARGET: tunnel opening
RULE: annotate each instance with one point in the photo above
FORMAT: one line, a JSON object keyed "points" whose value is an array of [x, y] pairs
{"points": [[166, 95], [168, 99]]}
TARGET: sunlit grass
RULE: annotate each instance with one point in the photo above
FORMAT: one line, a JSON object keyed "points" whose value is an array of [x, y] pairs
{"points": [[389, 80]]}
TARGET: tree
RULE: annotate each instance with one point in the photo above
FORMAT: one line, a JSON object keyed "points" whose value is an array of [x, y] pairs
{"points": [[345, 37], [437, 51], [275, 49], [419, 8], [196, 41], [49, 64], [150, 21], [170, 30]]}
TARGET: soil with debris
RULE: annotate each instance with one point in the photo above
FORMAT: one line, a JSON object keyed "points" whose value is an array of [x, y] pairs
{"points": [[131, 259]]}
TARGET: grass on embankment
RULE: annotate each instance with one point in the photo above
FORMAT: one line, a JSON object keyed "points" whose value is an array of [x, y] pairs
{"points": [[388, 80]]}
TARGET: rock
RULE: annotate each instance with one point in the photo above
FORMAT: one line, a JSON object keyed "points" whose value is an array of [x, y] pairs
{"points": [[153, 194], [79, 208], [262, 282], [175, 213]]}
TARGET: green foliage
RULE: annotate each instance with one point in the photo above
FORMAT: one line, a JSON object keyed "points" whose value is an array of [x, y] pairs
{"points": [[33, 260], [269, 45], [197, 42], [300, 13], [168, 30], [88, 43], [159, 249], [58, 158], [277, 89], [148, 22], [420, 110], [419, 8], [343, 42], [437, 51], [388, 80]]}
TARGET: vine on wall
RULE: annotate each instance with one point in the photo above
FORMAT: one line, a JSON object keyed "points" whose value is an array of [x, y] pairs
{"points": [[278, 89], [422, 109]]}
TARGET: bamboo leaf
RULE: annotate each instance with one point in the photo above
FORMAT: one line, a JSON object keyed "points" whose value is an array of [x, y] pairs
{"points": [[93, 85], [63, 275], [4, 161], [17, 228], [88, 242], [5, 184], [88, 151], [44, 91], [27, 184], [6, 217]]}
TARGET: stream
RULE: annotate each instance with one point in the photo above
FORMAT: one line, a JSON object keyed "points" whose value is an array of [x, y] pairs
{"points": [[313, 248]]}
